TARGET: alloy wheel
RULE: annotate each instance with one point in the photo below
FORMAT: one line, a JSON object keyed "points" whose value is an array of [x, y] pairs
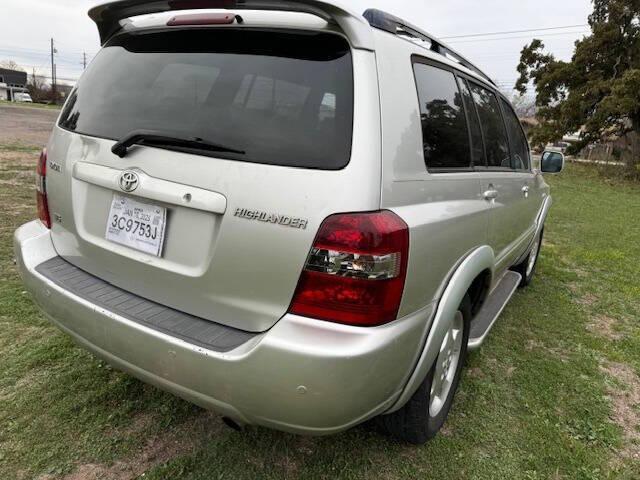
{"points": [[446, 365]]}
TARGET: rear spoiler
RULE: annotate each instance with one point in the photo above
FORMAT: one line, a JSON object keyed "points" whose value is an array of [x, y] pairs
{"points": [[108, 16]]}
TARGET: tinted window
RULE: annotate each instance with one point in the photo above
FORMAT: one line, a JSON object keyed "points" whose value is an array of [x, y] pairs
{"points": [[477, 148], [519, 144], [283, 98], [444, 126], [495, 135]]}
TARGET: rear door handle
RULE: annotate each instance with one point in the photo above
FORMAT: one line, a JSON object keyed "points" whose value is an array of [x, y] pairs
{"points": [[490, 194]]}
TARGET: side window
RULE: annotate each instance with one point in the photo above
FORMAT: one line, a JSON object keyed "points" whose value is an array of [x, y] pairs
{"points": [[495, 135], [519, 144], [444, 126], [477, 147]]}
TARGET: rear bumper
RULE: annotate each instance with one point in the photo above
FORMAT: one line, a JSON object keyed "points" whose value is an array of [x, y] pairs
{"points": [[302, 376]]}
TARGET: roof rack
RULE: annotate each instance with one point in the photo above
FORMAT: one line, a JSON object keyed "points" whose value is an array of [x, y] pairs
{"points": [[392, 24]]}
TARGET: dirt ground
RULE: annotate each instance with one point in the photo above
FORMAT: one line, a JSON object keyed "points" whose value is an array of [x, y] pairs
{"points": [[26, 125]]}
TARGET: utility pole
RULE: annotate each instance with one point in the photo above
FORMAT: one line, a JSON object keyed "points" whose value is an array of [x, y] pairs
{"points": [[53, 72], [84, 60]]}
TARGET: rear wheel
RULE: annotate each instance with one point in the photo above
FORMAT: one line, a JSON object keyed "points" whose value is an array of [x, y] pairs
{"points": [[422, 417], [528, 267]]}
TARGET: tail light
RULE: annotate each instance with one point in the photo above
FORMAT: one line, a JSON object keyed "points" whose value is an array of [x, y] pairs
{"points": [[41, 190], [355, 271]]}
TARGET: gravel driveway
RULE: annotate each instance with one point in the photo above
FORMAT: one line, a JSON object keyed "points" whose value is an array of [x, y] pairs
{"points": [[26, 125]]}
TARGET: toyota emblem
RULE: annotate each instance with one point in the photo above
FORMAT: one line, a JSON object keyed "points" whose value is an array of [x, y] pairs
{"points": [[129, 181]]}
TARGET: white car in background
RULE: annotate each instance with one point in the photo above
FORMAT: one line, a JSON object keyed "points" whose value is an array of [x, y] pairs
{"points": [[558, 147], [23, 97]]}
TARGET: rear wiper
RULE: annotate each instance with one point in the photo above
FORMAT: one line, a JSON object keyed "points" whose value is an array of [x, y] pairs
{"points": [[150, 137]]}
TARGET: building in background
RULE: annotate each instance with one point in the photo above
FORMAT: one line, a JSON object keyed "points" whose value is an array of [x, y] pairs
{"points": [[12, 82], [64, 90]]}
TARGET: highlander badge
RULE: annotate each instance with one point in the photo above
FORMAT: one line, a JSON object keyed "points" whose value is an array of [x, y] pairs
{"points": [[275, 218]]}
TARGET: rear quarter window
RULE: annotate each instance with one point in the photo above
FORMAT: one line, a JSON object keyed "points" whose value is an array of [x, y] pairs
{"points": [[442, 116], [493, 128], [519, 145], [284, 98], [477, 145]]}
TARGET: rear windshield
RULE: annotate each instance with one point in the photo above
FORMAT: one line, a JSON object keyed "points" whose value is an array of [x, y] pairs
{"points": [[281, 98]]}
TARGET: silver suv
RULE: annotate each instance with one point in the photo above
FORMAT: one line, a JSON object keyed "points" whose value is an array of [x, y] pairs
{"points": [[295, 215]]}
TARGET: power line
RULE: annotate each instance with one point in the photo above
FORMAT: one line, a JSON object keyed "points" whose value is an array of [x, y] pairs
{"points": [[71, 49], [506, 53], [27, 49], [519, 38], [73, 64], [47, 76], [487, 34], [68, 51], [30, 52]]}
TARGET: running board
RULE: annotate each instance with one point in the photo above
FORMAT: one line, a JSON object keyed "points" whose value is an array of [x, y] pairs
{"points": [[483, 322]]}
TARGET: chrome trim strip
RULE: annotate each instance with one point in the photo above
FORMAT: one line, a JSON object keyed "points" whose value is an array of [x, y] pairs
{"points": [[152, 188]]}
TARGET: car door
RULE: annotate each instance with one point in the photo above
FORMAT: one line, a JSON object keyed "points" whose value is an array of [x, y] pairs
{"points": [[502, 186], [529, 201]]}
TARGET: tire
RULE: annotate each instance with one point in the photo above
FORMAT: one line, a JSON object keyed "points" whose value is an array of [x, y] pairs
{"points": [[420, 419], [528, 267]]}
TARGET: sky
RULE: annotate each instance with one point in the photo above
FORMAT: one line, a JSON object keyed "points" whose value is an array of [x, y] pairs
{"points": [[27, 26]]}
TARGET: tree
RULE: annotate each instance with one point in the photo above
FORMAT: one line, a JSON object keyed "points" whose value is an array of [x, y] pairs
{"points": [[598, 92], [11, 65], [38, 88]]}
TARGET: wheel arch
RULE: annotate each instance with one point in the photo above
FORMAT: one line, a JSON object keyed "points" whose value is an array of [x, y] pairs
{"points": [[478, 266], [479, 290]]}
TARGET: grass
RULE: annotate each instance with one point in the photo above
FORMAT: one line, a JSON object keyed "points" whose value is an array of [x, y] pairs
{"points": [[29, 105], [538, 401], [18, 147]]}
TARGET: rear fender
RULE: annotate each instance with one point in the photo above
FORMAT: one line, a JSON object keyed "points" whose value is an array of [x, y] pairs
{"points": [[473, 265]]}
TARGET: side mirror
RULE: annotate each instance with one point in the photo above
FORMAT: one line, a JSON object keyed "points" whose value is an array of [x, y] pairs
{"points": [[552, 162]]}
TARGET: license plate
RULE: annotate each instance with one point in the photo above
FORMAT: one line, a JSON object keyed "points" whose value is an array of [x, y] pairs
{"points": [[136, 225]]}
